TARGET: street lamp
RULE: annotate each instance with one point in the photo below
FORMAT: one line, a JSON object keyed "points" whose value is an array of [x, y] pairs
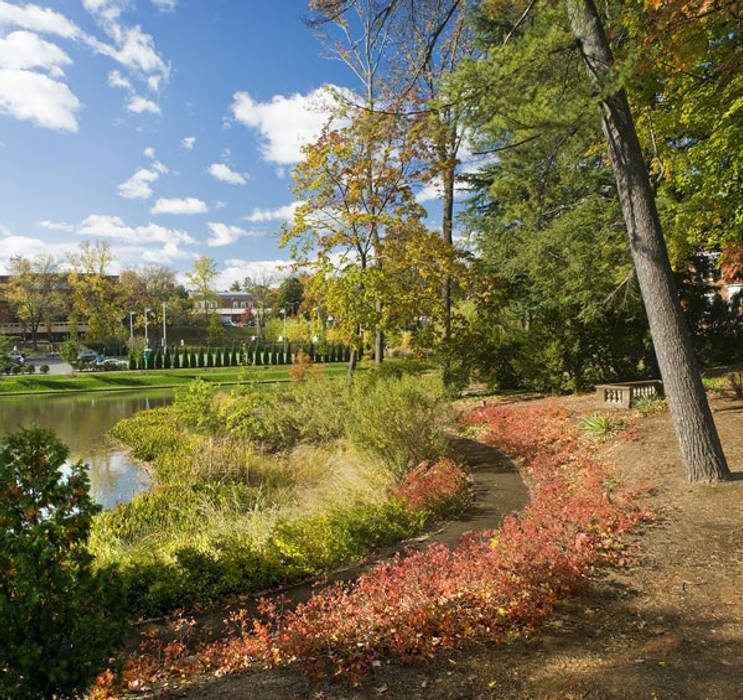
{"points": [[132, 314], [146, 336], [165, 332], [283, 313]]}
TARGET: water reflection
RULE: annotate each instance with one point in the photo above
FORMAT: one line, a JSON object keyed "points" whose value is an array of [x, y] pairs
{"points": [[81, 422]]}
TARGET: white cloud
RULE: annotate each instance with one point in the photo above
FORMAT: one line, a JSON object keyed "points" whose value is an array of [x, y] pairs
{"points": [[22, 49], [219, 204], [35, 97], [138, 104], [285, 123], [12, 245], [284, 213], [186, 205], [222, 172], [430, 191], [100, 226], [237, 270], [56, 226], [149, 152], [38, 19], [165, 5], [132, 47], [115, 79], [222, 234], [138, 185], [188, 142]]}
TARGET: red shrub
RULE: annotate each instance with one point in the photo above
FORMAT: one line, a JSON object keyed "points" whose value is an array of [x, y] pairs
{"points": [[493, 583]]}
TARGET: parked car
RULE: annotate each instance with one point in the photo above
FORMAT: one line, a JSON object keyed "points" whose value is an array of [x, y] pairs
{"points": [[88, 356], [17, 357], [111, 363]]}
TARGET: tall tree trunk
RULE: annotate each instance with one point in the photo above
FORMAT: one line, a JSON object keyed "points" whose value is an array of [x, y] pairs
{"points": [[447, 224], [690, 413], [352, 358]]}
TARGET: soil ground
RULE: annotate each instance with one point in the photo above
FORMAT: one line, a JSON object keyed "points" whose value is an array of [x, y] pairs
{"points": [[670, 626]]}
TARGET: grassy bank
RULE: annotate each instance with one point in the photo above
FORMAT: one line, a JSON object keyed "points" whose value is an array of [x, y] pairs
{"points": [[112, 381], [262, 485]]}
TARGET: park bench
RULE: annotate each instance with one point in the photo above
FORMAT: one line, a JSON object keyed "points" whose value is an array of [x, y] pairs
{"points": [[622, 394]]}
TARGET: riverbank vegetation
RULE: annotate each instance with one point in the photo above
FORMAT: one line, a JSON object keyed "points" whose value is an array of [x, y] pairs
{"points": [[260, 486], [495, 584], [151, 379]]}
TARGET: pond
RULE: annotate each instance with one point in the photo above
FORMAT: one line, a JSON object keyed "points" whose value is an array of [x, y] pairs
{"points": [[82, 422]]}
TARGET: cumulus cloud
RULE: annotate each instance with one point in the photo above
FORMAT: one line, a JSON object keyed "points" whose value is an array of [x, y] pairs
{"points": [[56, 226], [35, 97], [138, 185], [186, 205], [37, 19], [222, 234], [12, 245], [237, 270], [223, 172], [22, 49], [138, 105], [188, 142], [113, 227], [131, 47], [284, 213], [115, 79], [284, 123]]}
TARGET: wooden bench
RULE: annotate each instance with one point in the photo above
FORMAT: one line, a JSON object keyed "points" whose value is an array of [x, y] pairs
{"points": [[621, 395]]}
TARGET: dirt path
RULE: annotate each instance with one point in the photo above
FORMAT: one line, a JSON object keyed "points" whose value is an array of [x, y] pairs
{"points": [[669, 627], [497, 490]]}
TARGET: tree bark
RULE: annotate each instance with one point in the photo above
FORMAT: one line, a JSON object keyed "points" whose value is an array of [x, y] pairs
{"points": [[447, 223], [352, 358], [692, 420]]}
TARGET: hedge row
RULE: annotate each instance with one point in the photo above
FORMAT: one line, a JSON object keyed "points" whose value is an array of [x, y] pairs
{"points": [[236, 355]]}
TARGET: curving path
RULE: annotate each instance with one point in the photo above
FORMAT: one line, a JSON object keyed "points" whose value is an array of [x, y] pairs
{"points": [[497, 490]]}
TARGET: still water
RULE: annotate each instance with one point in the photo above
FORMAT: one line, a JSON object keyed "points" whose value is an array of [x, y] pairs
{"points": [[82, 422]]}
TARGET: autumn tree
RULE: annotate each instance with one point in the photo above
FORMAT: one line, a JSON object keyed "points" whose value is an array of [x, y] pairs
{"points": [[96, 298], [432, 37], [32, 291], [201, 281], [261, 288], [358, 33], [355, 185]]}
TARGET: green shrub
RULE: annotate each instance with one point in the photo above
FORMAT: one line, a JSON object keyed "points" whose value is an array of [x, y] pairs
{"points": [[193, 405], [60, 619], [396, 419], [44, 369], [650, 404], [601, 425]]}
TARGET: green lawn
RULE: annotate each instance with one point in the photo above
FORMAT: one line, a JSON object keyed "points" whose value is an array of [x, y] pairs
{"points": [[102, 381]]}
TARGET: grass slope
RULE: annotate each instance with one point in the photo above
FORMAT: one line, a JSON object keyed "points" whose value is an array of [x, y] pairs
{"points": [[110, 381]]}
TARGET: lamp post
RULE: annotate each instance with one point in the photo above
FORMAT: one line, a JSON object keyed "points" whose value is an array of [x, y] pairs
{"points": [[283, 313], [146, 336], [165, 332], [132, 314]]}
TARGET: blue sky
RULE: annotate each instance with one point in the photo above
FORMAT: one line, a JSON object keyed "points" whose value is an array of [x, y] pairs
{"points": [[166, 127]]}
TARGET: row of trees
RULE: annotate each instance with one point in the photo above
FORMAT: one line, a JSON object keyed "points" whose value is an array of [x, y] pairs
{"points": [[588, 125], [38, 293]]}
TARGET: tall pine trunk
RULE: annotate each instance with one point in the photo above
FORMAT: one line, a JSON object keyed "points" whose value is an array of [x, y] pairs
{"points": [[690, 413]]}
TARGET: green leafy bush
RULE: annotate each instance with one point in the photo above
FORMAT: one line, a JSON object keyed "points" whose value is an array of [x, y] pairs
{"points": [[60, 618], [601, 425], [650, 404], [44, 369], [398, 420]]}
